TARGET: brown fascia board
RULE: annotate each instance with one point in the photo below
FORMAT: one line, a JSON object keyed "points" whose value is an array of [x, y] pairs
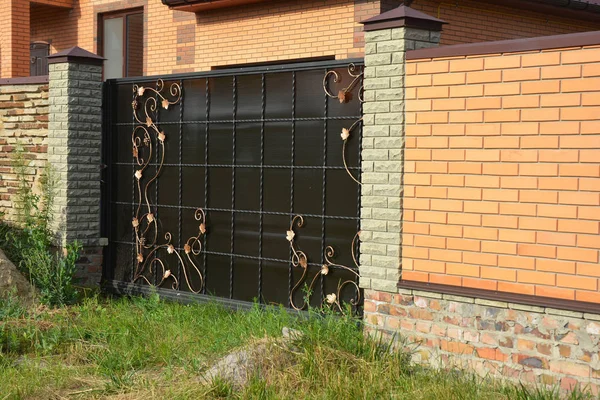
{"points": [[506, 297], [205, 5], [575, 9], [508, 46], [28, 80]]}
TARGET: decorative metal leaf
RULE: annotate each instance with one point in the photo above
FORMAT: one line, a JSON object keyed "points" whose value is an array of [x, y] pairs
{"points": [[161, 136], [165, 104], [148, 121], [345, 134], [290, 235], [303, 261], [331, 298]]}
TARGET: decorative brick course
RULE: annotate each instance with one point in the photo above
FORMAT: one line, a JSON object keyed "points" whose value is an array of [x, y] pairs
{"points": [[514, 341], [23, 121]]}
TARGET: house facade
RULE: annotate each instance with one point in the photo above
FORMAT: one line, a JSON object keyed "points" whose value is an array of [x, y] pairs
{"points": [[150, 37]]}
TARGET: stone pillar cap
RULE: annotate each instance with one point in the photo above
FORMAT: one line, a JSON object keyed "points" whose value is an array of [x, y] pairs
{"points": [[75, 55], [403, 16]]}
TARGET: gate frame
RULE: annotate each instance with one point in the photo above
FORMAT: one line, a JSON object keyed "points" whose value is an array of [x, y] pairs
{"points": [[108, 283]]}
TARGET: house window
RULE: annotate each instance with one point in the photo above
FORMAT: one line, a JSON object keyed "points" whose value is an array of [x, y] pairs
{"points": [[123, 44], [38, 55]]}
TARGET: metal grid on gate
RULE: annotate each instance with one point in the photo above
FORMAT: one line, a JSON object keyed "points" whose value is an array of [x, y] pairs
{"points": [[253, 149]]}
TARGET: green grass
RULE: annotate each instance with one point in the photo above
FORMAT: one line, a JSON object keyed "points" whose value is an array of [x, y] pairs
{"points": [[149, 349]]}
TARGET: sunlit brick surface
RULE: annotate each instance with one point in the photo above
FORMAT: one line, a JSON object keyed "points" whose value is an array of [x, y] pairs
{"points": [[502, 183]]}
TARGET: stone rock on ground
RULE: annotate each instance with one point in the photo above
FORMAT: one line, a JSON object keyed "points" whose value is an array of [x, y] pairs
{"points": [[12, 282], [256, 358]]}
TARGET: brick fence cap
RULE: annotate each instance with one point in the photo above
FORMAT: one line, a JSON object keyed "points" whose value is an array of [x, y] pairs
{"points": [[403, 16], [75, 54]]}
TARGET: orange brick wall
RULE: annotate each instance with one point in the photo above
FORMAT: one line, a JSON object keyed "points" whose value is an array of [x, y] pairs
{"points": [[271, 31], [276, 30], [502, 184], [473, 21], [14, 39]]}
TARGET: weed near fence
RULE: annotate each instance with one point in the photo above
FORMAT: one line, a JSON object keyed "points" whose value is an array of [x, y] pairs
{"points": [[145, 348]]}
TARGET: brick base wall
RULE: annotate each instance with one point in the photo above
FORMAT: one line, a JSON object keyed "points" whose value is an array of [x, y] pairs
{"points": [[24, 121], [89, 266], [515, 341]]}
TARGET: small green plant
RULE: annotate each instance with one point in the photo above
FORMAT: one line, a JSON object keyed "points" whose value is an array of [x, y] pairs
{"points": [[51, 272], [11, 307], [30, 241]]}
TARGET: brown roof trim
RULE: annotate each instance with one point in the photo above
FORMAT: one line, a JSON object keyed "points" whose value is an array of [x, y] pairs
{"points": [[508, 46], [204, 5], [403, 16], [525, 299], [29, 80]]}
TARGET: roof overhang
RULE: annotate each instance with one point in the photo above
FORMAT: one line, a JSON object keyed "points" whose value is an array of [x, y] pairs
{"points": [[588, 10], [203, 5], [55, 3]]}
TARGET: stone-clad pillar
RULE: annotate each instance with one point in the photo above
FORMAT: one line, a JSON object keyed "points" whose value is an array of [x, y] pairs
{"points": [[74, 150], [387, 38]]}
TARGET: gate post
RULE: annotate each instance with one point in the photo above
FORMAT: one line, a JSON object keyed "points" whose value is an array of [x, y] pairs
{"points": [[74, 153], [387, 38]]}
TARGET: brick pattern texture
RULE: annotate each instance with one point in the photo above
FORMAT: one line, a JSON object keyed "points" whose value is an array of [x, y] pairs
{"points": [[502, 184], [472, 21], [74, 148], [177, 41], [74, 152], [382, 155], [516, 342], [14, 40], [24, 122]]}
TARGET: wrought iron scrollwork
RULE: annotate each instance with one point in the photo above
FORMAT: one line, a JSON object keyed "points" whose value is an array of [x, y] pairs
{"points": [[345, 136], [148, 142], [299, 259], [344, 96]]}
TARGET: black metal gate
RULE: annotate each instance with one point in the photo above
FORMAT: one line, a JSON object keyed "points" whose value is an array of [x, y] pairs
{"points": [[240, 184]]}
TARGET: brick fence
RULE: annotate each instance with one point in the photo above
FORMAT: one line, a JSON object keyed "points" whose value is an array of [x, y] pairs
{"points": [[502, 183], [23, 121], [481, 199], [58, 121]]}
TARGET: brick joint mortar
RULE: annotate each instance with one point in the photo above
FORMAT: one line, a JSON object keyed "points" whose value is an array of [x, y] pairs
{"points": [[514, 341], [383, 152]]}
